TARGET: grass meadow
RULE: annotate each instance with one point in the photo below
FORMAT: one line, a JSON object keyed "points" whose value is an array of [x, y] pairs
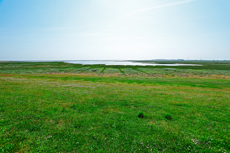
{"points": [[60, 107]]}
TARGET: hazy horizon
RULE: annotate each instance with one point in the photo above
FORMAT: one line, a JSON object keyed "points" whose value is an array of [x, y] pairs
{"points": [[114, 30], [113, 59]]}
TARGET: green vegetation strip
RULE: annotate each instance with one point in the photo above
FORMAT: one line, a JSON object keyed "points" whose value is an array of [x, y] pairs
{"points": [[121, 71]]}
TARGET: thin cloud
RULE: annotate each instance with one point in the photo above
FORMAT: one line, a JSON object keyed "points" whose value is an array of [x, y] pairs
{"points": [[60, 29], [156, 7]]}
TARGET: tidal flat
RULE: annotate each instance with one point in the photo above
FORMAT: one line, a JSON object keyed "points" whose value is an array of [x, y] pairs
{"points": [[65, 107]]}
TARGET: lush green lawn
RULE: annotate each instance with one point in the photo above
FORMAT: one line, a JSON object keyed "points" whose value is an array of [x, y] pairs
{"points": [[57, 107]]}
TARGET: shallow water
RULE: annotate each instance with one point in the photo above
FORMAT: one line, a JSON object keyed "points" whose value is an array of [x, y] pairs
{"points": [[108, 62]]}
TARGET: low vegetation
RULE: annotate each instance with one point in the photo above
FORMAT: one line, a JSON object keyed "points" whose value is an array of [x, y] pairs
{"points": [[60, 107]]}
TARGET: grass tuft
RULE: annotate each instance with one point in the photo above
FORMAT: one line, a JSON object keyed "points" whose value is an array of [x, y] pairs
{"points": [[140, 114], [168, 116]]}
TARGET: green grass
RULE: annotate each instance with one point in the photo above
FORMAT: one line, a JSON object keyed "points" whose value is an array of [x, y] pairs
{"points": [[58, 107]]}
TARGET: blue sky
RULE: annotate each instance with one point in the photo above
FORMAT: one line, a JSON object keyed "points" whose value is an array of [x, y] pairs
{"points": [[108, 29]]}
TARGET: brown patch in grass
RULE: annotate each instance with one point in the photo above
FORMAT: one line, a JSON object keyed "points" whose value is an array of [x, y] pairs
{"points": [[196, 76], [177, 103], [7, 75], [199, 88]]}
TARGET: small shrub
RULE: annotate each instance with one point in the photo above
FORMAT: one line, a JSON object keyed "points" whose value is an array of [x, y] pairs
{"points": [[168, 116], [140, 115]]}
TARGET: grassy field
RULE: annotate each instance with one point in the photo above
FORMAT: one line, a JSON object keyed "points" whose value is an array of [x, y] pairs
{"points": [[60, 107]]}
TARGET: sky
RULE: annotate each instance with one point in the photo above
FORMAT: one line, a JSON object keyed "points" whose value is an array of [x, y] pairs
{"points": [[114, 29]]}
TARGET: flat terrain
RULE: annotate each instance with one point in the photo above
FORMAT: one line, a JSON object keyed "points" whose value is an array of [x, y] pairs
{"points": [[60, 107]]}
